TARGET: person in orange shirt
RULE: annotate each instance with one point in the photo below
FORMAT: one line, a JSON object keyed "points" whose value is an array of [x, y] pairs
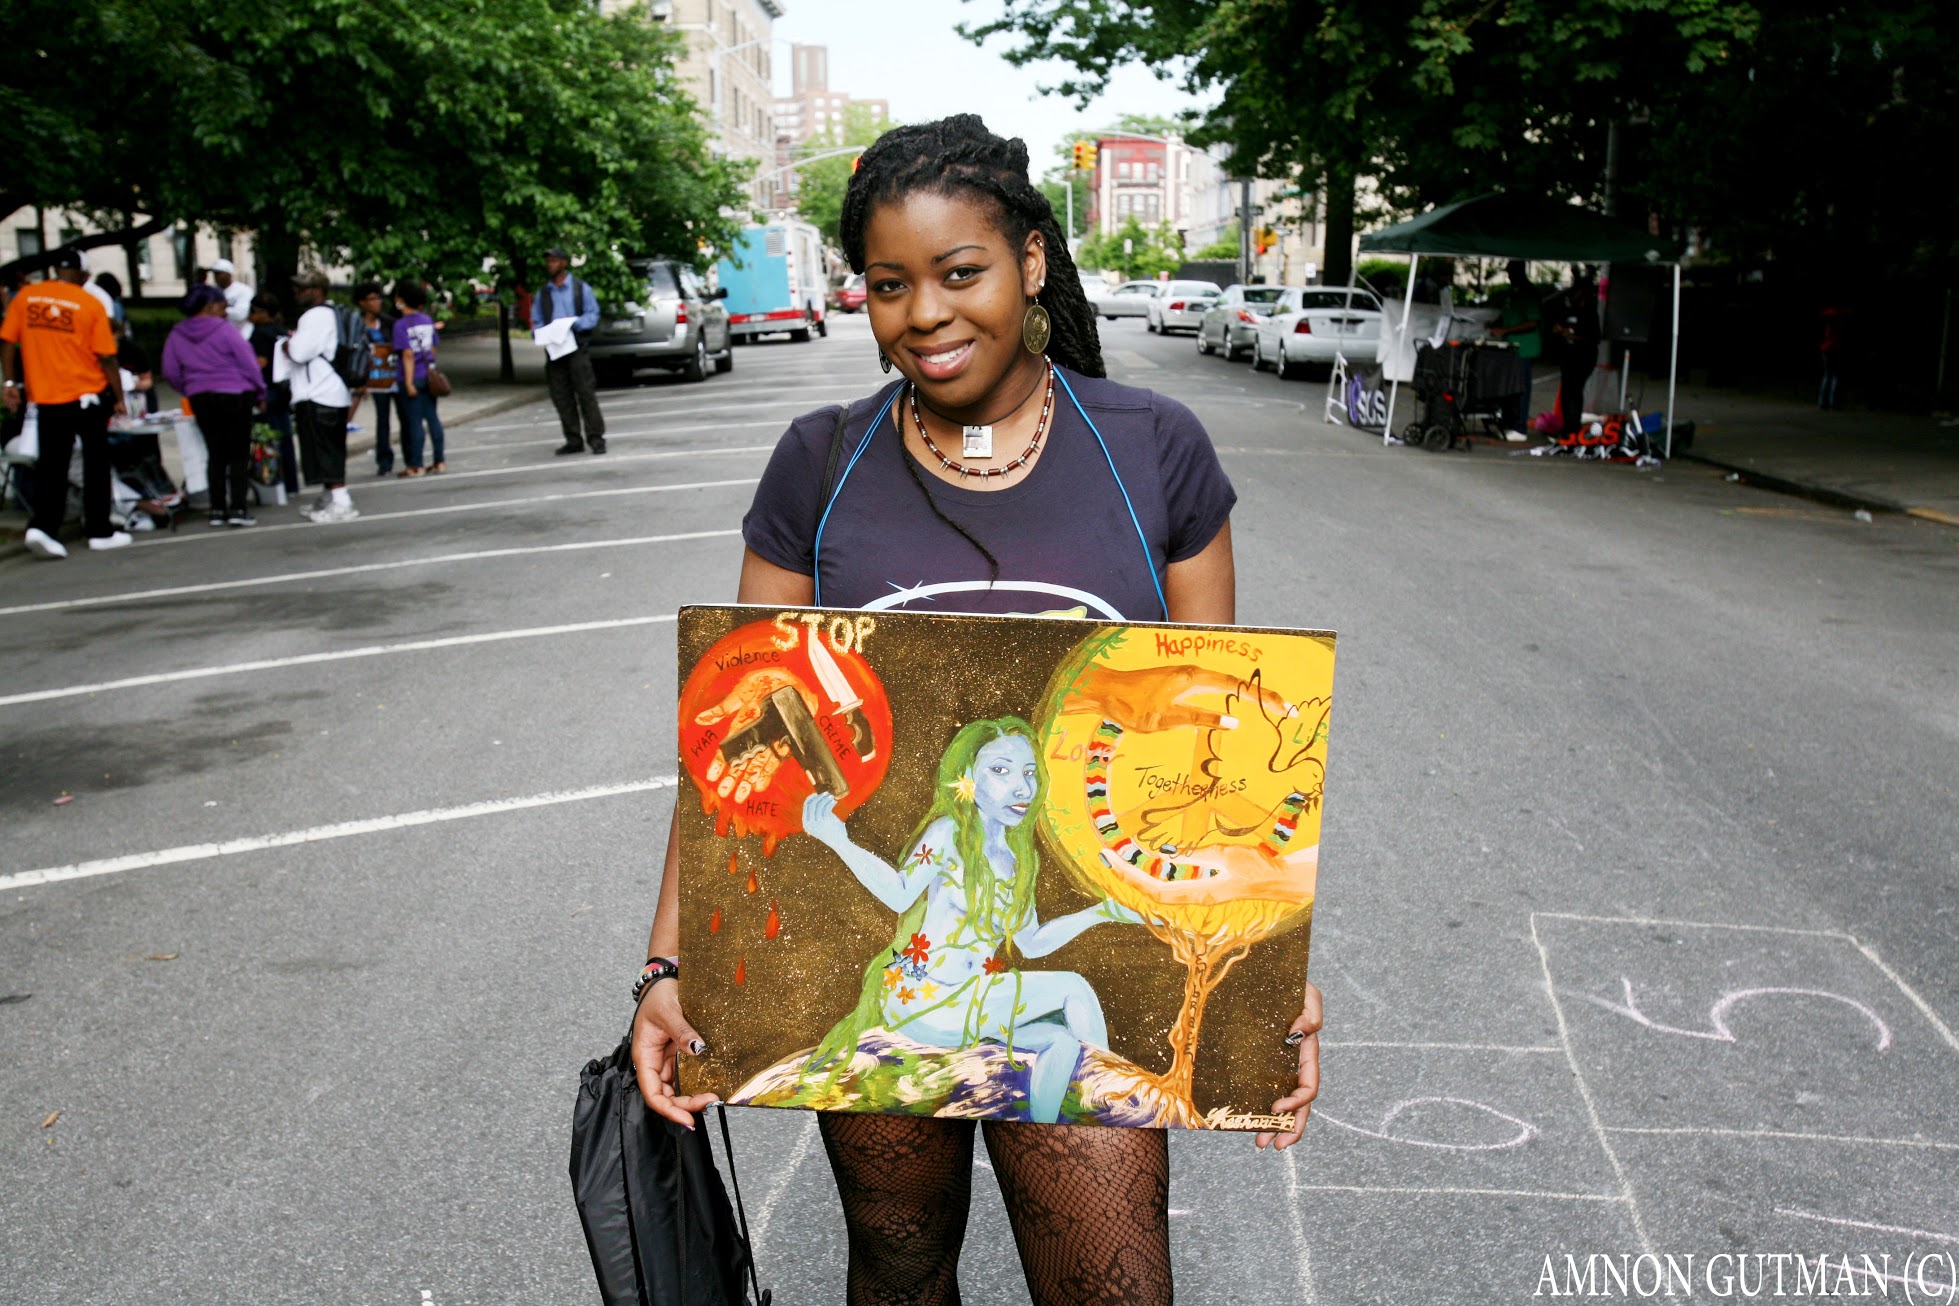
{"points": [[62, 336]]}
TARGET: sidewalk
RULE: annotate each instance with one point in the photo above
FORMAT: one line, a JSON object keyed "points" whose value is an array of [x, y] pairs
{"points": [[1883, 462], [472, 364]]}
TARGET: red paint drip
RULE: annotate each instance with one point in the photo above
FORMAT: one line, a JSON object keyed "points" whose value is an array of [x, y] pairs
{"points": [[714, 922], [741, 970], [774, 926], [754, 885]]}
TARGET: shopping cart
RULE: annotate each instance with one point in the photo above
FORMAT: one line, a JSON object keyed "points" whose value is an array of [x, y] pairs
{"points": [[1462, 386]]}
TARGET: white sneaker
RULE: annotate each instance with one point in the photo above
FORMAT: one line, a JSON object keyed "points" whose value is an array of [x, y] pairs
{"points": [[1515, 437], [332, 511], [116, 541], [44, 545]]}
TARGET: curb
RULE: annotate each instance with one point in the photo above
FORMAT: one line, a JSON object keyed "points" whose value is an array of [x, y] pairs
{"points": [[1819, 493]]}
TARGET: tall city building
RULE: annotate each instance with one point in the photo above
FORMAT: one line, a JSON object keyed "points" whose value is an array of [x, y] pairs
{"points": [[1142, 177], [728, 69], [812, 110]]}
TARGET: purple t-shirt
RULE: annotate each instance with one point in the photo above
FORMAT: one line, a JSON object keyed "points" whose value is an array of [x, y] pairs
{"points": [[1064, 536], [416, 331]]}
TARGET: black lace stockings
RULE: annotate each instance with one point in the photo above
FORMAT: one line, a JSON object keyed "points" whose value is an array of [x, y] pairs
{"points": [[1089, 1207]]}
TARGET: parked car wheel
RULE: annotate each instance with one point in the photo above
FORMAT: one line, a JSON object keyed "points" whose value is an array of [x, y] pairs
{"points": [[1203, 345], [696, 369], [726, 363], [1232, 352], [1258, 354], [1287, 369], [800, 335]]}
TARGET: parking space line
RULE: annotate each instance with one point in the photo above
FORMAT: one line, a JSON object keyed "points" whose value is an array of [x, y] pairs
{"points": [[422, 485], [337, 655], [320, 833], [323, 573], [474, 505], [1308, 1294]]}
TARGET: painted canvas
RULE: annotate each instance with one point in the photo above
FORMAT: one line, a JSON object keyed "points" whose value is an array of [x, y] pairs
{"points": [[1028, 868]]}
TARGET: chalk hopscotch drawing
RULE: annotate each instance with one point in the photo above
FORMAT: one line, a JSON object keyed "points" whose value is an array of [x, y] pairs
{"points": [[1526, 1131], [1718, 1030]]}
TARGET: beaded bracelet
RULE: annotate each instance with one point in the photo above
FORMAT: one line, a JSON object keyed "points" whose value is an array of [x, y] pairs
{"points": [[655, 970]]}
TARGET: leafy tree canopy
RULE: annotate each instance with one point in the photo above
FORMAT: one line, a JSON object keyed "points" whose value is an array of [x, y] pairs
{"points": [[820, 185], [410, 137]]}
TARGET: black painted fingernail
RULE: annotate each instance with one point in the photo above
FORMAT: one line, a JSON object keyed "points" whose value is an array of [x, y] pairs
{"points": [[697, 1047], [1295, 1038]]}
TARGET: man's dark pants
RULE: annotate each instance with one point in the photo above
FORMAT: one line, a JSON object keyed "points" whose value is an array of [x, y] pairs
{"points": [[60, 425], [575, 393], [322, 442]]}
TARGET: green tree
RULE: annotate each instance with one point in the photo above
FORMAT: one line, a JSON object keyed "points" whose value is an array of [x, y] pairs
{"points": [[1135, 251], [1225, 246], [820, 185], [1430, 98], [409, 137]]}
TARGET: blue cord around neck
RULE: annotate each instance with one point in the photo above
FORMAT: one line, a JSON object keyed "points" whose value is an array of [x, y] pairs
{"points": [[816, 546], [836, 492]]}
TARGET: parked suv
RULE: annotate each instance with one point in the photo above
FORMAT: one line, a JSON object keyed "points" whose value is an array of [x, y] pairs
{"points": [[677, 323]]}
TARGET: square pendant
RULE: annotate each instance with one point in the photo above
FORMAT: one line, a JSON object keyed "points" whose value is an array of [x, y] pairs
{"points": [[978, 442]]}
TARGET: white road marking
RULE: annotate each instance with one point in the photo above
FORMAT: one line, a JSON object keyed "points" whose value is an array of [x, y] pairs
{"points": [[1862, 1224], [287, 578], [1308, 1294], [1526, 1131], [422, 484], [1585, 1090], [473, 505], [1465, 1192], [1702, 1131], [319, 833], [1129, 358], [1447, 1047], [763, 1217], [1924, 1007], [337, 655]]}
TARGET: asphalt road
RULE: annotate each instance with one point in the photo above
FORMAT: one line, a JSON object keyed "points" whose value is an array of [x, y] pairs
{"points": [[1637, 915]]}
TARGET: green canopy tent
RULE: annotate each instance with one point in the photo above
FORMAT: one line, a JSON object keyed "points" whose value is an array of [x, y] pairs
{"points": [[1536, 230]]}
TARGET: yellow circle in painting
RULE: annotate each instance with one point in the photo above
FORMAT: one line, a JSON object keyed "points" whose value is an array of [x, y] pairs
{"points": [[1185, 773]]}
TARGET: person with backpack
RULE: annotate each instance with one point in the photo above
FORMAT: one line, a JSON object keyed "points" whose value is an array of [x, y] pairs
{"points": [[328, 345], [574, 386]]}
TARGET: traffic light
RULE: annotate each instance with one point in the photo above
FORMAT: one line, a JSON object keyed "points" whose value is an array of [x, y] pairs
{"points": [[1090, 154], [1263, 238], [1084, 156]]}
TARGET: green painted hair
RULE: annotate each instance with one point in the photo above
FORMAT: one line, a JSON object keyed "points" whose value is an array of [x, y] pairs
{"points": [[969, 840]]}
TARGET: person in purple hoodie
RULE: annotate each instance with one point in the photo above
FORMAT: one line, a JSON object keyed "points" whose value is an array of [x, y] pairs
{"points": [[209, 363]]}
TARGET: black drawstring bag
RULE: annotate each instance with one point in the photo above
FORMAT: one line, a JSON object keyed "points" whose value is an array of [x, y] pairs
{"points": [[657, 1219]]}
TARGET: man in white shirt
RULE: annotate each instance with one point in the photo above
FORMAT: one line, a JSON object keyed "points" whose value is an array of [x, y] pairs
{"points": [[320, 399], [237, 296]]}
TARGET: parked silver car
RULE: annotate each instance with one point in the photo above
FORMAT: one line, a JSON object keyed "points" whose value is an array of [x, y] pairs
{"points": [[678, 324], [1227, 324], [1181, 305], [1130, 299]]}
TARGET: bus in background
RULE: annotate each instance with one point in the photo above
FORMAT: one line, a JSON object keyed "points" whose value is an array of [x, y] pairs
{"points": [[774, 279]]}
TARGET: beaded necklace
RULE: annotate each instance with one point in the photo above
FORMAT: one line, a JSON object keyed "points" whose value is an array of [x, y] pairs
{"points": [[1033, 447]]}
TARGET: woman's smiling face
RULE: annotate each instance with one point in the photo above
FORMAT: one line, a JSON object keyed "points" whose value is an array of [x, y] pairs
{"points": [[1005, 780], [947, 293]]}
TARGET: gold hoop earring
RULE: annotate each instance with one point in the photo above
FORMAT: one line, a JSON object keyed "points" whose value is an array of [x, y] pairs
{"points": [[884, 362], [1035, 328]]}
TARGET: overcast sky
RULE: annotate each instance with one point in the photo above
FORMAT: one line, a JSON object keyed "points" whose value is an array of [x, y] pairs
{"points": [[907, 52]]}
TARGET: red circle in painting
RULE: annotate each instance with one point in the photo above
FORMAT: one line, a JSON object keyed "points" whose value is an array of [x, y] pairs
{"points": [[778, 710]]}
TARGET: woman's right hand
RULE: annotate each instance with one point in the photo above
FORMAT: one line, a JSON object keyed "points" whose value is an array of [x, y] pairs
{"points": [[660, 1034]]}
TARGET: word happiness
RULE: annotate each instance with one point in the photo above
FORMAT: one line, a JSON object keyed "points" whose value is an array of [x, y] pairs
{"points": [[1176, 644], [1741, 1276]]}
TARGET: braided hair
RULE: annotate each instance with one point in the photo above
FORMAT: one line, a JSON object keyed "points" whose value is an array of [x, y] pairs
{"points": [[955, 154], [959, 153]]}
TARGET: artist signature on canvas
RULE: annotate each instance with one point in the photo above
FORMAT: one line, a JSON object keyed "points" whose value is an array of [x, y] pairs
{"points": [[1223, 1117]]}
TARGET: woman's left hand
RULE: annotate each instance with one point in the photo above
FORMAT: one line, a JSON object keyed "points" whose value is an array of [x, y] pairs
{"points": [[1299, 1102]]}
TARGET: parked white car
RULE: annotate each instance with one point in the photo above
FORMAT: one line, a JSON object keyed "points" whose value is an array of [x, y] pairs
{"points": [[1130, 299], [1227, 324], [1313, 325], [1181, 305], [1095, 287]]}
